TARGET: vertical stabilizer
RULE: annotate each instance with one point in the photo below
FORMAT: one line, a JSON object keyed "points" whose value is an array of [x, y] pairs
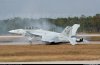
{"points": [[74, 29], [71, 31]]}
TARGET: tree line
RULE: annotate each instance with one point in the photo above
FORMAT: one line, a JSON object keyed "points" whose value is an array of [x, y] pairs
{"points": [[89, 24]]}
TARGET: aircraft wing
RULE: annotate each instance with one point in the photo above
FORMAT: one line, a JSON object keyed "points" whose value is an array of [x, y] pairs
{"points": [[32, 34], [37, 33], [44, 35]]}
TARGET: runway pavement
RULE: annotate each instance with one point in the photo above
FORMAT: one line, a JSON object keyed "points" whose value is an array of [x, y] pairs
{"points": [[20, 40], [89, 35], [55, 62]]}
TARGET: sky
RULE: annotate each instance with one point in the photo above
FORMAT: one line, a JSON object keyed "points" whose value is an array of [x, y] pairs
{"points": [[48, 8]]}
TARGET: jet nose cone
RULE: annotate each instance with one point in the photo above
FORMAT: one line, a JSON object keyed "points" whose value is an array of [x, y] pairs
{"points": [[11, 31]]}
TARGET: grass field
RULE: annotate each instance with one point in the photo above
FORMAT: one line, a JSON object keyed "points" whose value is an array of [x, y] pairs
{"points": [[95, 38], [64, 52]]}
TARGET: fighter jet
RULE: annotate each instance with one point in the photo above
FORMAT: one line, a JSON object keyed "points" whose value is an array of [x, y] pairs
{"points": [[67, 35]]}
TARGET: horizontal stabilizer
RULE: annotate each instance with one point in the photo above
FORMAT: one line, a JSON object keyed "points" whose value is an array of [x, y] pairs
{"points": [[72, 41]]}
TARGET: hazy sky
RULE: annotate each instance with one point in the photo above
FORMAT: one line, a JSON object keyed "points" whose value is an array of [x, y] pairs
{"points": [[48, 8]]}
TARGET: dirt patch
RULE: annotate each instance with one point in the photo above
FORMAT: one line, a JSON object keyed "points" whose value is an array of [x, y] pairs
{"points": [[65, 52]]}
